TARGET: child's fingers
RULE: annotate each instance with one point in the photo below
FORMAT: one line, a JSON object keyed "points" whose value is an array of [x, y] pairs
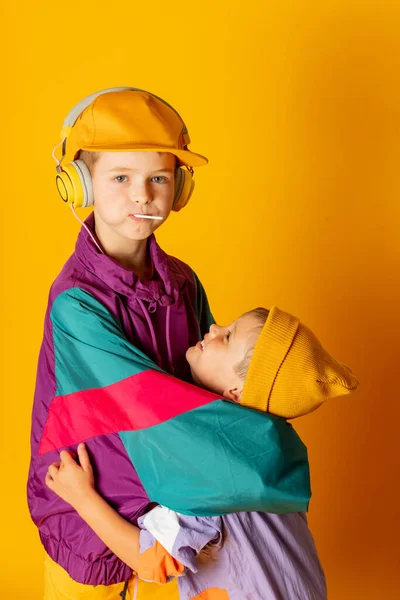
{"points": [[53, 470], [49, 480], [84, 458], [66, 457]]}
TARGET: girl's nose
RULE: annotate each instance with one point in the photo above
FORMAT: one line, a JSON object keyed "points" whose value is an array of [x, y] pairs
{"points": [[215, 330]]}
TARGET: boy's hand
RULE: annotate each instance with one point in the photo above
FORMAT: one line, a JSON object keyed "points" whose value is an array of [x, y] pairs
{"points": [[73, 483]]}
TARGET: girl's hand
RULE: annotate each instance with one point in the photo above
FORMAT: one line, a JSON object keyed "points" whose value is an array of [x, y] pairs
{"points": [[73, 483]]}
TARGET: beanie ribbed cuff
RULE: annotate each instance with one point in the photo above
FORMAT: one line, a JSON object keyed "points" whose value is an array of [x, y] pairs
{"points": [[271, 348]]}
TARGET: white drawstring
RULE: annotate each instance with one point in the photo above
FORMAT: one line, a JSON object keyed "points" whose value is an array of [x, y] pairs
{"points": [[53, 153], [87, 229]]}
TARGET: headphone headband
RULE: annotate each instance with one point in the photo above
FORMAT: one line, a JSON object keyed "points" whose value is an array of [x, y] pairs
{"points": [[78, 109]]}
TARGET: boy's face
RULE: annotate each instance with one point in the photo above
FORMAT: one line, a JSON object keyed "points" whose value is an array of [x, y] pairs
{"points": [[128, 183], [212, 361]]}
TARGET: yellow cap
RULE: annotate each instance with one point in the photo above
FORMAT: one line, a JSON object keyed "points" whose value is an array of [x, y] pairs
{"points": [[290, 373], [125, 121]]}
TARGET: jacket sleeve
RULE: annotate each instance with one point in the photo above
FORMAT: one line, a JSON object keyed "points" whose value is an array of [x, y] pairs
{"points": [[183, 538], [194, 452]]}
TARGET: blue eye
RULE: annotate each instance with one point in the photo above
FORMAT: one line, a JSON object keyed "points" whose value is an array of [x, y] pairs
{"points": [[119, 179], [159, 179]]}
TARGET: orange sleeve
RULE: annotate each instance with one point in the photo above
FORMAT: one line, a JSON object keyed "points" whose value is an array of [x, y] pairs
{"points": [[157, 565]]}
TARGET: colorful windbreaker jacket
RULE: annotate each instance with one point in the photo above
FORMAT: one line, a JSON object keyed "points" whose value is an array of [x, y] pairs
{"points": [[111, 345]]}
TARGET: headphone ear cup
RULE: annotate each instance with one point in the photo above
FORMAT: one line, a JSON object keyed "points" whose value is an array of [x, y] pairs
{"points": [[74, 184], [184, 186], [86, 182]]}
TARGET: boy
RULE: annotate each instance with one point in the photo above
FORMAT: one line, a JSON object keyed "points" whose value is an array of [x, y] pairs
{"points": [[136, 147], [118, 290], [266, 360]]}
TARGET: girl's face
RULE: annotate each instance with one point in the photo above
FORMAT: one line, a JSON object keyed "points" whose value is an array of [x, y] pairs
{"points": [[128, 183], [212, 361]]}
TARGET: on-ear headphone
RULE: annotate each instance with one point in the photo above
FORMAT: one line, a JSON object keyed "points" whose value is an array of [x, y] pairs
{"points": [[73, 180]]}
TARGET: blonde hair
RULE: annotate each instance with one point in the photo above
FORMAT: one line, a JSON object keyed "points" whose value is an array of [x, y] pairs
{"points": [[241, 368], [89, 158]]}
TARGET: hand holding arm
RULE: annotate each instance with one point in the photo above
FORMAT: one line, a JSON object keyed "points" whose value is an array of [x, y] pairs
{"points": [[75, 484]]}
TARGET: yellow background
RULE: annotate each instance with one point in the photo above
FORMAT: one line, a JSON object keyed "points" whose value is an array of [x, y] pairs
{"points": [[297, 106]]}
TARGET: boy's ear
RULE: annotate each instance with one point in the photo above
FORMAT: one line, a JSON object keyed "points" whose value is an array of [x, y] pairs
{"points": [[233, 394]]}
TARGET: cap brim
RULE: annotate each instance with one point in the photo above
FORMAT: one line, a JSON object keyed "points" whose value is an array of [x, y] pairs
{"points": [[187, 158]]}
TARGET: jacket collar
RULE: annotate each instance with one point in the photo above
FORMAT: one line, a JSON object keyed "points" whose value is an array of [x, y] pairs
{"points": [[163, 288]]}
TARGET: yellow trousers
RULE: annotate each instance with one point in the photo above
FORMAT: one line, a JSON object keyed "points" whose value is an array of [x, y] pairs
{"points": [[58, 585]]}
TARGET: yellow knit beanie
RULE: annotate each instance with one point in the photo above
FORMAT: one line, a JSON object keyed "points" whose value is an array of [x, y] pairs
{"points": [[290, 373]]}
